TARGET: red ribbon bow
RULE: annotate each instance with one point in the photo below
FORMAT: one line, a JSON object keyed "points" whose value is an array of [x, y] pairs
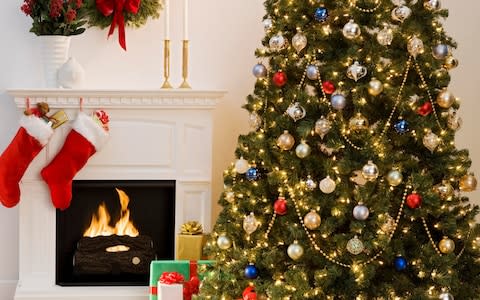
{"points": [[102, 116], [171, 278], [117, 8]]}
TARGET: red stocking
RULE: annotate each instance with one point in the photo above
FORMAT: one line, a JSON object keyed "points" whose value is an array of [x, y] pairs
{"points": [[32, 136], [85, 138]]}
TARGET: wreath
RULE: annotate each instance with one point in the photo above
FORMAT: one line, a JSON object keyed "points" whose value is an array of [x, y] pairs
{"points": [[121, 13]]}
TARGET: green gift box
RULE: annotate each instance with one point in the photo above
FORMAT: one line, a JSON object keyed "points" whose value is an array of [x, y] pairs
{"points": [[184, 267]]}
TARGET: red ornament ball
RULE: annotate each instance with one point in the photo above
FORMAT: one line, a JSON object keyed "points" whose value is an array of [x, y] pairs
{"points": [[280, 206], [249, 293], [328, 87], [279, 78], [425, 109], [414, 201]]}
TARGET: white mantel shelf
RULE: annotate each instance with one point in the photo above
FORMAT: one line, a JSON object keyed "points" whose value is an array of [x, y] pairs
{"points": [[135, 99]]}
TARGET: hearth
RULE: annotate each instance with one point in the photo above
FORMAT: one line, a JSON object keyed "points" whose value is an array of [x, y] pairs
{"points": [[112, 230]]}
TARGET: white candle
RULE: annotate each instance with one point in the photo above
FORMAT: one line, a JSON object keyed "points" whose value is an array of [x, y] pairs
{"points": [[185, 20], [167, 19]]}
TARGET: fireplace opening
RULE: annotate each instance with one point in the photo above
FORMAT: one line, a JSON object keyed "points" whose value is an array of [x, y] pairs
{"points": [[112, 230]]}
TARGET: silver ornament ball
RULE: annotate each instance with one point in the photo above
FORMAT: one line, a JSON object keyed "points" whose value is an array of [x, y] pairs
{"points": [[322, 126], [432, 5], [285, 141], [277, 42], [312, 220], [360, 212], [446, 296], [415, 46], [338, 101], [394, 177], [385, 37], [370, 171], [440, 51], [312, 72], [401, 13], [351, 30], [241, 165], [224, 242], [267, 24], [310, 184], [295, 251], [259, 71], [303, 150]]}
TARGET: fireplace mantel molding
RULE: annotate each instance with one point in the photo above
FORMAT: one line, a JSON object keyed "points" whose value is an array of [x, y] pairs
{"points": [[154, 135]]}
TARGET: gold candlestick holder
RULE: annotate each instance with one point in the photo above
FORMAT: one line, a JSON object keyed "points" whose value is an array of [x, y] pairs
{"points": [[166, 64], [185, 84]]}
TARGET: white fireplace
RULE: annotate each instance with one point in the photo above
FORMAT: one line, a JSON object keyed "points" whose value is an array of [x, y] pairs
{"points": [[154, 135]]}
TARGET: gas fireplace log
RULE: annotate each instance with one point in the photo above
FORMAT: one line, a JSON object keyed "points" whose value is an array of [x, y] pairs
{"points": [[114, 255]]}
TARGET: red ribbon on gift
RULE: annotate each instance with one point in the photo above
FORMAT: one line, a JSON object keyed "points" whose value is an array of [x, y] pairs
{"points": [[117, 8], [171, 278], [191, 287]]}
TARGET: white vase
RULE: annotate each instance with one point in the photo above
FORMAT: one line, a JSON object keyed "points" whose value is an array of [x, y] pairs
{"points": [[54, 51], [71, 74]]}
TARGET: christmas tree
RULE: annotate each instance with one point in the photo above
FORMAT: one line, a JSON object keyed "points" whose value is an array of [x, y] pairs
{"points": [[349, 185]]}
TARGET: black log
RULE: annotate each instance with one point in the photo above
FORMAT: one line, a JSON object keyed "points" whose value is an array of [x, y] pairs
{"points": [[92, 257]]}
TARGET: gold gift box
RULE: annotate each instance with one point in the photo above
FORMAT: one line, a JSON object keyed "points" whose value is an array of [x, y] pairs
{"points": [[189, 247]]}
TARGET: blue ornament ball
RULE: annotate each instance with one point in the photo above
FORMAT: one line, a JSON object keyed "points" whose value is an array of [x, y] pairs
{"points": [[400, 263], [259, 70], [252, 174], [321, 14], [401, 126], [251, 272]]}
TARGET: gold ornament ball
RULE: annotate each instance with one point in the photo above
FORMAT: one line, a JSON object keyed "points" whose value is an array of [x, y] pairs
{"points": [[445, 190], [468, 183], [224, 242], [445, 99], [394, 177], [285, 141], [295, 251], [451, 62], [312, 220], [370, 171], [358, 122], [446, 245], [355, 246], [327, 185], [375, 87]]}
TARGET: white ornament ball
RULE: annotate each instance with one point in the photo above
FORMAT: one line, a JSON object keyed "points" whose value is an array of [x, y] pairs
{"points": [[241, 165], [446, 296], [338, 101], [394, 177], [351, 30], [360, 212], [303, 150], [327, 185], [295, 251], [312, 72], [224, 242], [312, 220], [277, 42]]}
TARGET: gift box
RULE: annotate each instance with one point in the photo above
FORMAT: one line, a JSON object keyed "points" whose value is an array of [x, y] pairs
{"points": [[170, 291], [188, 269], [190, 241]]}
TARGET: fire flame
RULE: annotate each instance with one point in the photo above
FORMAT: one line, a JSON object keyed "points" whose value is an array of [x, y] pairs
{"points": [[100, 224]]}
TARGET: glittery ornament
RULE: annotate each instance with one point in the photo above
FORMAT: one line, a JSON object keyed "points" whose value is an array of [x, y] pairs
{"points": [[321, 14], [280, 206], [468, 183], [356, 71], [425, 109], [230, 197], [338, 101], [355, 246], [279, 78], [285, 141], [296, 111], [255, 121], [295, 251], [351, 30], [440, 51], [312, 220], [432, 5], [401, 13], [445, 190], [250, 223], [394, 177], [259, 70], [252, 174], [454, 121], [322, 126], [310, 184], [400, 263], [251, 271], [358, 122], [445, 296], [224, 242], [401, 127], [446, 245], [385, 36], [375, 87], [299, 41], [360, 212], [312, 72], [414, 201], [445, 99], [415, 46], [389, 225], [431, 141], [277, 42], [241, 165], [303, 150], [267, 24], [327, 185], [370, 171]]}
